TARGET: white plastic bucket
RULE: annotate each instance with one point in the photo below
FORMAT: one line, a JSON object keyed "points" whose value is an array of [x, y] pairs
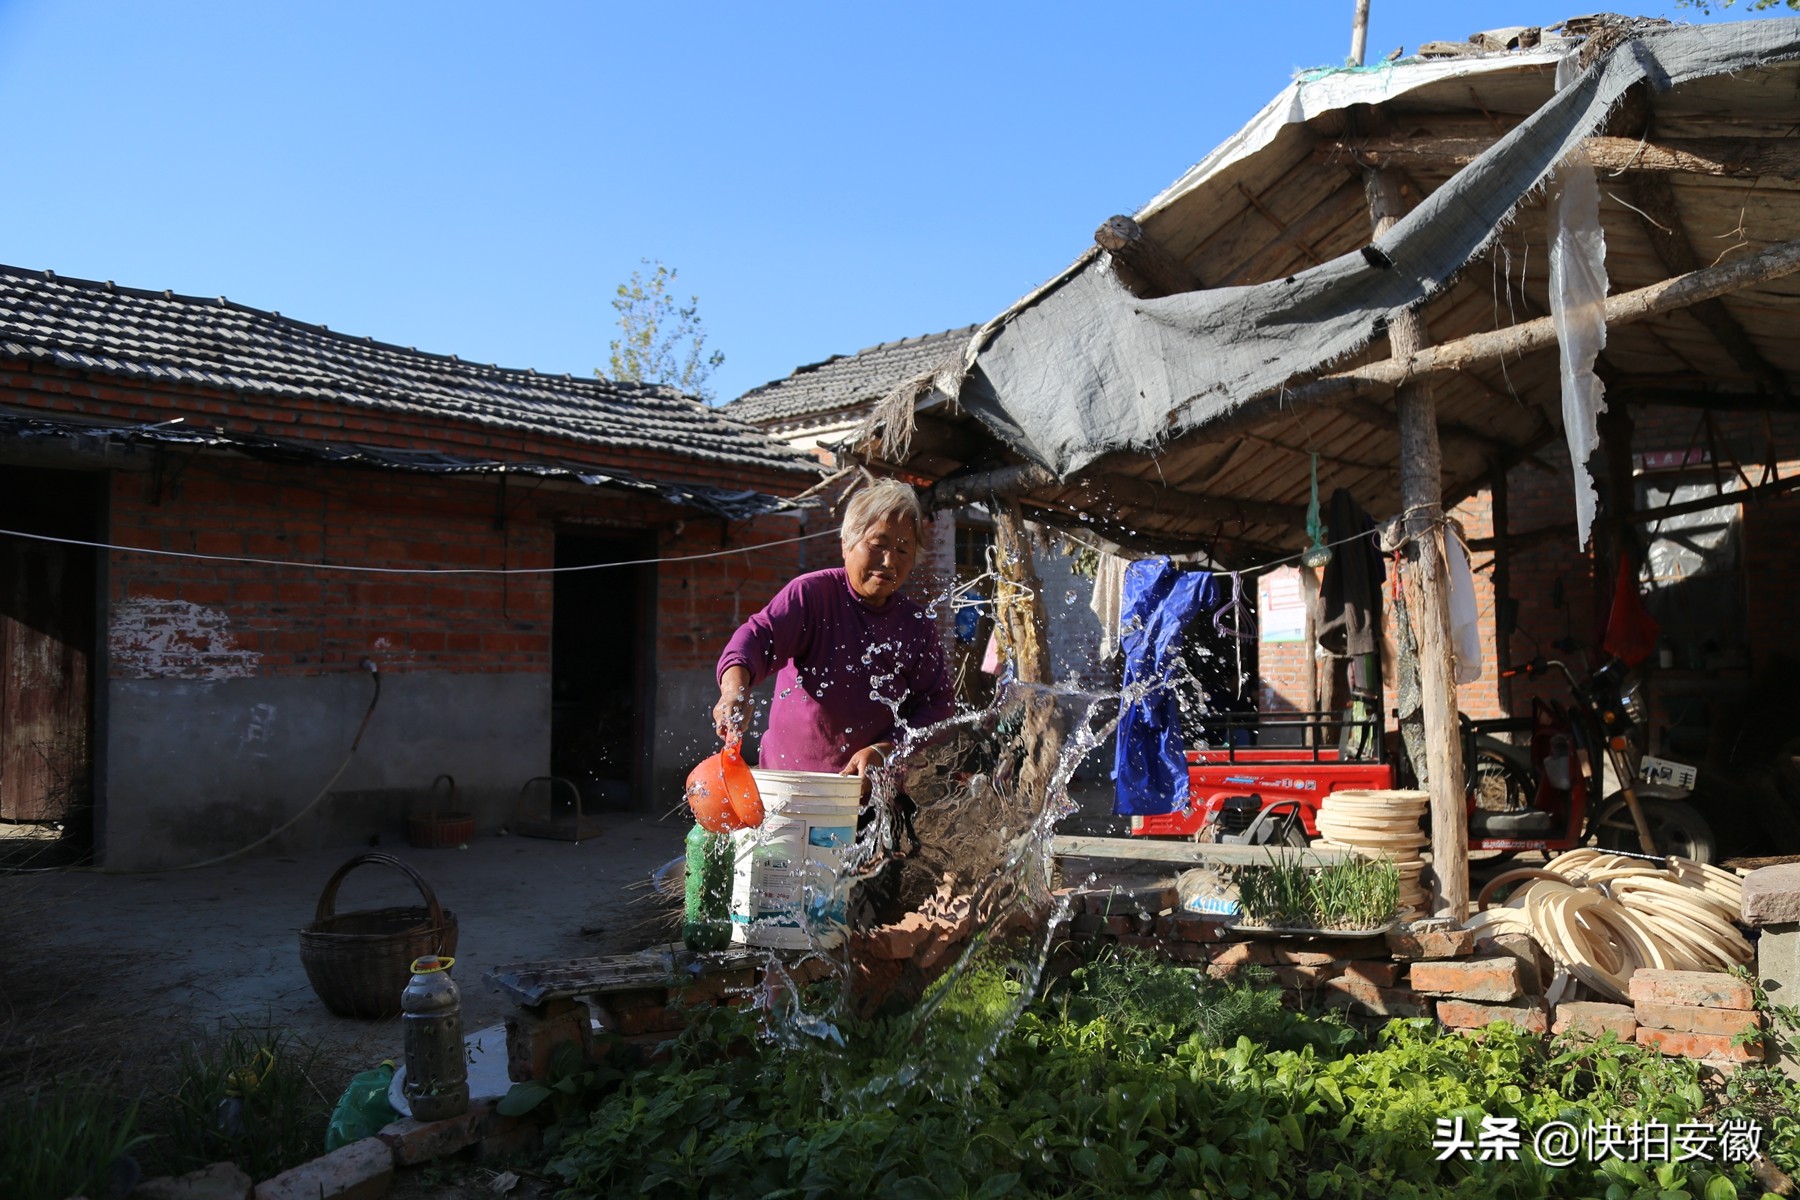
{"points": [[784, 884]]}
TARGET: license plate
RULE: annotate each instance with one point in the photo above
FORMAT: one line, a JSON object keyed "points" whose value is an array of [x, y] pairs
{"points": [[1663, 773]]}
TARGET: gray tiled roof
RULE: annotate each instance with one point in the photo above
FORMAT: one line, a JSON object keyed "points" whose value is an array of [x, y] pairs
{"points": [[159, 337], [845, 381]]}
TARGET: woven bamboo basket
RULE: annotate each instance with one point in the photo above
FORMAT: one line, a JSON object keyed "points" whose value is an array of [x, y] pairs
{"points": [[360, 962], [440, 828]]}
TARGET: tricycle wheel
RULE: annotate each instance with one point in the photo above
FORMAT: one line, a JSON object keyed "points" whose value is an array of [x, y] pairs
{"points": [[1678, 828]]}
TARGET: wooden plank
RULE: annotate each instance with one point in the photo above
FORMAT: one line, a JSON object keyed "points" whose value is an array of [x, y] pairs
{"points": [[1145, 849], [533, 983]]}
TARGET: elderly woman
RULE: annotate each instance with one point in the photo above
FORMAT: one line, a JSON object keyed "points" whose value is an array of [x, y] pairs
{"points": [[854, 658]]}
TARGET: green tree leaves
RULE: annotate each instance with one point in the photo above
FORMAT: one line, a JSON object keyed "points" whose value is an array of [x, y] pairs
{"points": [[660, 339]]}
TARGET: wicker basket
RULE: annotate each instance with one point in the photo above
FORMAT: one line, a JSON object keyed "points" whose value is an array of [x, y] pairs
{"points": [[360, 962], [440, 829]]}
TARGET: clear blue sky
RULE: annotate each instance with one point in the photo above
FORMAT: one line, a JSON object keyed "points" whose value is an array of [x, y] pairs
{"points": [[476, 179]]}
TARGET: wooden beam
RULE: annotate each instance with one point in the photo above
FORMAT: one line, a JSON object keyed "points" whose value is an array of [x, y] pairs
{"points": [[1143, 264], [1108, 488], [1422, 512], [1645, 516], [1146, 849], [1652, 198], [1699, 397], [1732, 158], [1514, 341]]}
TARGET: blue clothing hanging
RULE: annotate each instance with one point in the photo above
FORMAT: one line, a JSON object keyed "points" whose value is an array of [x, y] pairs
{"points": [[1150, 767]]}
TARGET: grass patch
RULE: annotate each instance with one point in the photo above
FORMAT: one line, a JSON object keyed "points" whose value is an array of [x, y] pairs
{"points": [[244, 1095], [67, 1142], [1357, 893]]}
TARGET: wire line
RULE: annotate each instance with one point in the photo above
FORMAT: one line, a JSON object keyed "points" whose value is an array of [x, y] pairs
{"points": [[312, 566]]}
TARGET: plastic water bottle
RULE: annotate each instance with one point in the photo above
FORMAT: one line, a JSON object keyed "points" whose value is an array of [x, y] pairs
{"points": [[706, 894], [437, 1075]]}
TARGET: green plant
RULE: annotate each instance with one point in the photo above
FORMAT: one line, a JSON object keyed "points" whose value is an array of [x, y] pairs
{"points": [[1357, 893], [247, 1096], [69, 1142]]}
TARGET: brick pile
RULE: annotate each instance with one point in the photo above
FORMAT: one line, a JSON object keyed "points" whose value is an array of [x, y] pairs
{"points": [[1697, 1014], [1425, 969]]}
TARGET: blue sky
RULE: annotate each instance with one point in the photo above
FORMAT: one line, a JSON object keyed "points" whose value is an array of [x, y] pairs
{"points": [[476, 179]]}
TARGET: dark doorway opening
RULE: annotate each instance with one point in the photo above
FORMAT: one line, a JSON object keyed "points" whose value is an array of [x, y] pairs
{"points": [[48, 619], [601, 656]]}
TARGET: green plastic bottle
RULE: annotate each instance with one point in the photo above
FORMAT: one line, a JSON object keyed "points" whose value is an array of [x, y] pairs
{"points": [[706, 913]]}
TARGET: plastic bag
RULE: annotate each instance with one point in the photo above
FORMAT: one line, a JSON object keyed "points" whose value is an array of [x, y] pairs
{"points": [[363, 1109]]}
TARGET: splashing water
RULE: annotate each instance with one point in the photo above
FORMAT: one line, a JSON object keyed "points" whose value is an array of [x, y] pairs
{"points": [[991, 786]]}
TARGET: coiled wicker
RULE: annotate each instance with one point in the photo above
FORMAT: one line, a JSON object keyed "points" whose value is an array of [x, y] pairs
{"points": [[360, 962]]}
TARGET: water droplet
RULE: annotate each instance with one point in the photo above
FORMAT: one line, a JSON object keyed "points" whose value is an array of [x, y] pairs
{"points": [[1069, 597]]}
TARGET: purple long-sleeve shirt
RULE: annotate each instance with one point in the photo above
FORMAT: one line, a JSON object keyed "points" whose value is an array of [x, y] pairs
{"points": [[838, 664]]}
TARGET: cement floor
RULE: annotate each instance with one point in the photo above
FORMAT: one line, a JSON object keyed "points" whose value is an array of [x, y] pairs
{"points": [[190, 949]]}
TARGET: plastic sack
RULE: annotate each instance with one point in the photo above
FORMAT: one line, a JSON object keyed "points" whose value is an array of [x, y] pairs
{"points": [[363, 1109]]}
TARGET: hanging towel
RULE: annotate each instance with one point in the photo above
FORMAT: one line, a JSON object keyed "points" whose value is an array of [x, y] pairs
{"points": [[1465, 618], [1109, 588], [1150, 767]]}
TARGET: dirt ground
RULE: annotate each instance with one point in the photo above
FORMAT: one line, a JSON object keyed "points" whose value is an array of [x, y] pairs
{"points": [[103, 977]]}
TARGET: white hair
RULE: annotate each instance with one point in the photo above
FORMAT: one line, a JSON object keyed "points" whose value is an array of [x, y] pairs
{"points": [[885, 499]]}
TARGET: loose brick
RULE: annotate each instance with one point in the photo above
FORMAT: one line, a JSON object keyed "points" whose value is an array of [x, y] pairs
{"points": [[1772, 895], [1490, 979], [1299, 957], [1411, 944], [1591, 1018], [1528, 1014], [414, 1142], [1193, 927], [1699, 1045], [1237, 954], [1183, 952], [901, 940], [1307, 976], [1724, 1022], [1359, 995], [360, 1171], [1692, 989], [1535, 967], [532, 1033], [1378, 972]]}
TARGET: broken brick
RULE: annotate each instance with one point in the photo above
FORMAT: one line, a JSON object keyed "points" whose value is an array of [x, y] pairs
{"points": [[1681, 1018], [1591, 1018], [1699, 1045], [1489, 979], [1693, 989], [1527, 1014]]}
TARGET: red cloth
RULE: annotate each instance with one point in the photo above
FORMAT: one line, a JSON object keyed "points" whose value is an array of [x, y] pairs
{"points": [[1631, 631]]}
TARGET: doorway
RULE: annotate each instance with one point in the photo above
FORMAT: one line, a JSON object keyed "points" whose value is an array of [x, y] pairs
{"points": [[48, 618], [601, 662]]}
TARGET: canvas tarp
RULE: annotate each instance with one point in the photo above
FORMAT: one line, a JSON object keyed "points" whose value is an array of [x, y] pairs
{"points": [[1084, 368]]}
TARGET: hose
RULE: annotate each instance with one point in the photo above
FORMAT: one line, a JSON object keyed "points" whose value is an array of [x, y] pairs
{"points": [[1602, 916]]}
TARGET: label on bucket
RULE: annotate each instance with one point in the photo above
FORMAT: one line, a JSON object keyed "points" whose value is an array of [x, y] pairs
{"points": [[832, 837]]}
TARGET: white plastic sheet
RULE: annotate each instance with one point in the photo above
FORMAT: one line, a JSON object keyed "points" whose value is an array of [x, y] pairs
{"points": [[1577, 305]]}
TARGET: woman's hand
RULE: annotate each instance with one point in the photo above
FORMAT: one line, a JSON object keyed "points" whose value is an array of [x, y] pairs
{"points": [[867, 760], [731, 715]]}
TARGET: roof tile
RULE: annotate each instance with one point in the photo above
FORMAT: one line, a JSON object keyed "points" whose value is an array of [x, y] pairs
{"points": [[845, 381], [216, 343]]}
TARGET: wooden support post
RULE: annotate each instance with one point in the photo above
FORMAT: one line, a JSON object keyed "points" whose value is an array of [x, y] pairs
{"points": [[1421, 500], [1501, 578], [1025, 637]]}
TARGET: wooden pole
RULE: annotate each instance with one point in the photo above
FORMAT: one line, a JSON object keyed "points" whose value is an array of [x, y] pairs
{"points": [[1025, 629], [1359, 33], [1512, 342], [1501, 578], [1422, 512]]}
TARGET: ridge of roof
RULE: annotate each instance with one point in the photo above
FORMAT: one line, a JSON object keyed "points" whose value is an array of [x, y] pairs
{"points": [[845, 380]]}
